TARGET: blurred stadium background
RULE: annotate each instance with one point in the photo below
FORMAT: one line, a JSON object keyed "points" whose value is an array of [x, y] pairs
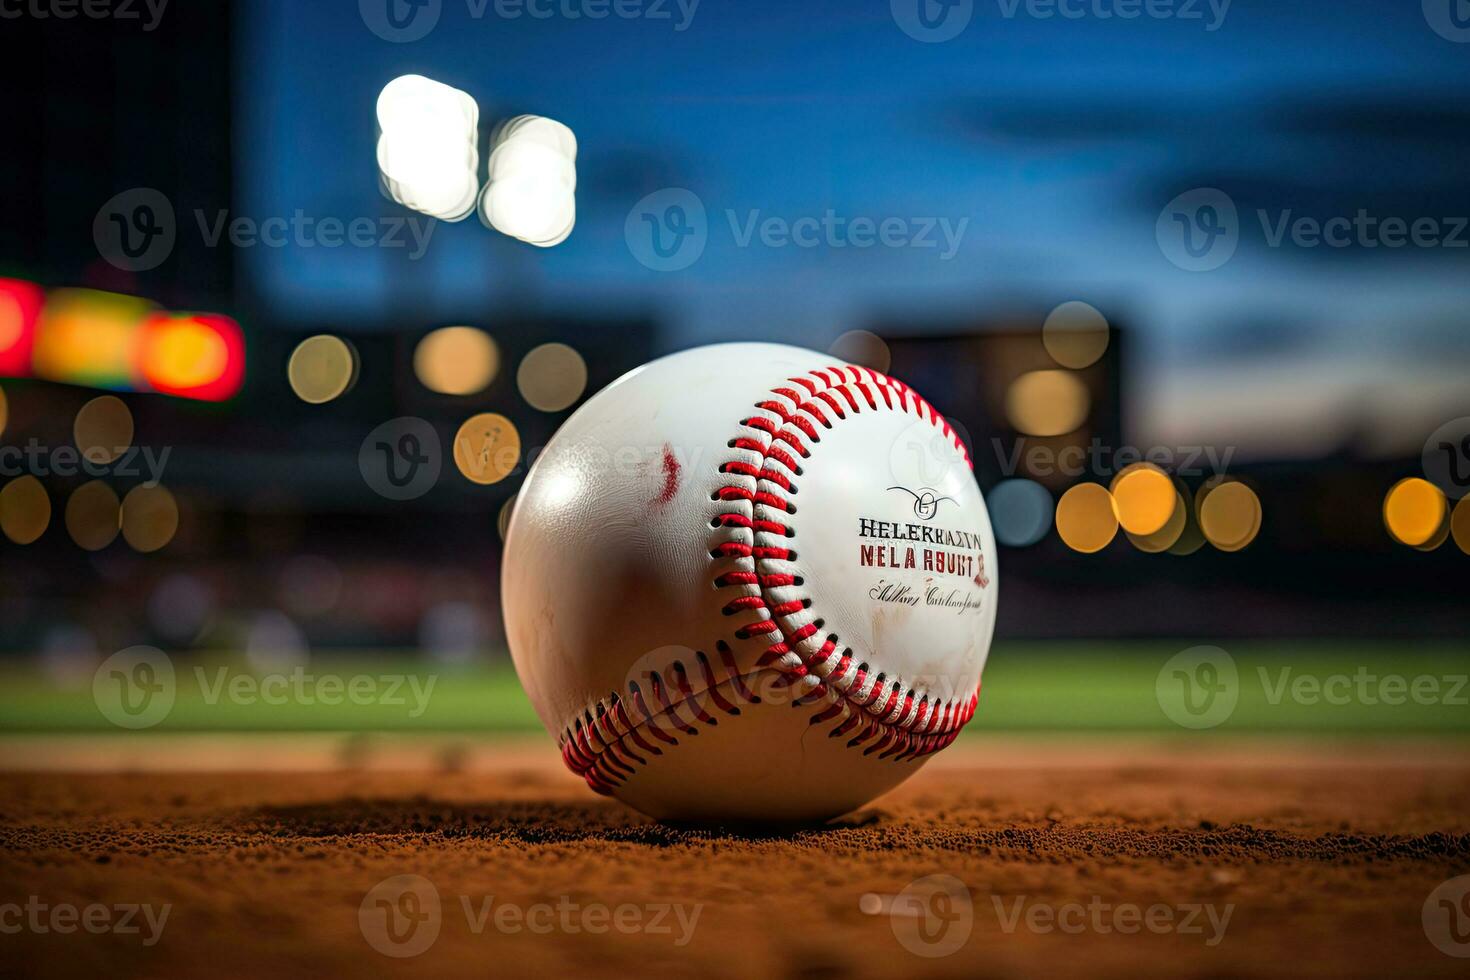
{"points": [[1315, 375]]}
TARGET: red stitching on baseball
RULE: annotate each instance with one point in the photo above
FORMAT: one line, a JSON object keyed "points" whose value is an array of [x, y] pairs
{"points": [[905, 728]]}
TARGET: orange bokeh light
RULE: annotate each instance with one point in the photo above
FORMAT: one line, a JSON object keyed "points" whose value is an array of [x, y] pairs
{"points": [[192, 355]]}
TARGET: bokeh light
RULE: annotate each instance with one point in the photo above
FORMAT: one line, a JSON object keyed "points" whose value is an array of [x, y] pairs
{"points": [[150, 517], [103, 430], [1460, 524], [456, 360], [428, 146], [487, 448], [1085, 518], [1047, 403], [1414, 510], [1229, 515], [1171, 533], [1075, 334], [181, 607], [863, 348], [93, 515], [322, 368], [25, 510], [552, 377], [1020, 512], [198, 356], [1144, 498], [531, 193]]}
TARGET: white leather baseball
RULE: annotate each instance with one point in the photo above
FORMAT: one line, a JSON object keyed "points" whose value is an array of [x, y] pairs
{"points": [[750, 582]]}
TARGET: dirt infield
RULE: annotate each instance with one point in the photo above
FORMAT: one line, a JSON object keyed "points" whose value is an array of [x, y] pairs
{"points": [[1109, 859]]}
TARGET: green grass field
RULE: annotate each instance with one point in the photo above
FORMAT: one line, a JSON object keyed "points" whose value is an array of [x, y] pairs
{"points": [[1343, 688]]}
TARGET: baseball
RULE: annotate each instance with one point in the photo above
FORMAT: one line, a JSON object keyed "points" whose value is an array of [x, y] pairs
{"points": [[750, 582]]}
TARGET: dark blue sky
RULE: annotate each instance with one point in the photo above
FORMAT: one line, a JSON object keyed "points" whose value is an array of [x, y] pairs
{"points": [[1054, 144]]}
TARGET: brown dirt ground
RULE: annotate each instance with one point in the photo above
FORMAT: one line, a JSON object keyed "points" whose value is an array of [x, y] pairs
{"points": [[1326, 855]]}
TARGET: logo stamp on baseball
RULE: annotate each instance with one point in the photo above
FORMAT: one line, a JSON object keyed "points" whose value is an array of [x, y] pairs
{"points": [[779, 630]]}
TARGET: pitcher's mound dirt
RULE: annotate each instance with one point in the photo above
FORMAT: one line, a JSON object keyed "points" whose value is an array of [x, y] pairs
{"points": [[1131, 861]]}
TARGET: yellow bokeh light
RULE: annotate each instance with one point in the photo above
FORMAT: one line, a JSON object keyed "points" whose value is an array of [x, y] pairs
{"points": [[1168, 536], [1144, 498], [552, 377], [1230, 515], [1075, 335], [456, 360], [321, 368], [863, 347], [1047, 403], [1460, 524], [187, 354], [103, 430], [150, 517], [1413, 511], [1085, 518], [93, 515], [25, 510], [487, 448]]}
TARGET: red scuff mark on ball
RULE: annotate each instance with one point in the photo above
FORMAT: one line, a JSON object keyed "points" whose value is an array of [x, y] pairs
{"points": [[671, 476]]}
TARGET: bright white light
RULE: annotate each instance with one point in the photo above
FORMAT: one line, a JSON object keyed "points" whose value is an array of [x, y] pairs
{"points": [[531, 194], [427, 146]]}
